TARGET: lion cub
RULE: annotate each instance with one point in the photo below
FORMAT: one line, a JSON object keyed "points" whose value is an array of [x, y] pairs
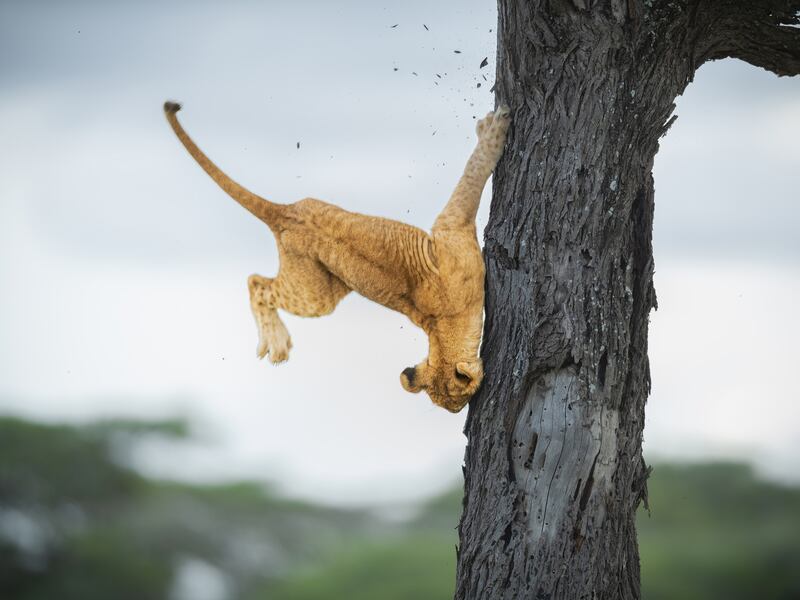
{"points": [[435, 279]]}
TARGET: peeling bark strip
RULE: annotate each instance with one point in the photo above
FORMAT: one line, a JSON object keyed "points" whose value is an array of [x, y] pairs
{"points": [[556, 442], [553, 468]]}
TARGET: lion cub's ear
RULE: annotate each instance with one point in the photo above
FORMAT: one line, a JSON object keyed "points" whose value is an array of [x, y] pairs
{"points": [[470, 372], [408, 380]]}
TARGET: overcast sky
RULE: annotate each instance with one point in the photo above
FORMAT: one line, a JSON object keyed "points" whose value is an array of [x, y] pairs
{"points": [[123, 268]]}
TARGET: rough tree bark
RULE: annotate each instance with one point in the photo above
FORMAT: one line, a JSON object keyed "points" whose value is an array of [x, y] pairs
{"points": [[554, 470]]}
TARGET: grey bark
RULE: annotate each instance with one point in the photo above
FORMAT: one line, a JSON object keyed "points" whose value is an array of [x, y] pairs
{"points": [[553, 469]]}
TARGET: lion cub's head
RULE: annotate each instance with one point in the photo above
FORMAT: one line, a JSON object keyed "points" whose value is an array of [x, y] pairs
{"points": [[448, 385]]}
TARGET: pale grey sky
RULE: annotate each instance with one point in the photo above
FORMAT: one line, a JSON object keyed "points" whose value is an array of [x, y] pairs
{"points": [[123, 267]]}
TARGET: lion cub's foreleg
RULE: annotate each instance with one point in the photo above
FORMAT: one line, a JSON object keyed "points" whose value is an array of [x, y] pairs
{"points": [[461, 209]]}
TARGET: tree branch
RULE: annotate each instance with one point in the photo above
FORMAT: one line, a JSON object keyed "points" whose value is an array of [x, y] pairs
{"points": [[763, 33]]}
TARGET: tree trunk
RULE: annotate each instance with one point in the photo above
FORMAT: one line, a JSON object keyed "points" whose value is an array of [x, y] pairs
{"points": [[553, 468]]}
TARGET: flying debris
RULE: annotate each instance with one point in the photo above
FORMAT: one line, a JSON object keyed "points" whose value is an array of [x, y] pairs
{"points": [[298, 145], [426, 27], [484, 62], [395, 25], [457, 51]]}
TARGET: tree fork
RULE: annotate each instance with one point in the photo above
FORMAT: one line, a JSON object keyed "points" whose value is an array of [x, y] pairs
{"points": [[553, 468]]}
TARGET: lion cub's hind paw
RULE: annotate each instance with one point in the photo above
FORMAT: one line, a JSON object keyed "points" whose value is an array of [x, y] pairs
{"points": [[279, 353], [273, 340], [263, 347]]}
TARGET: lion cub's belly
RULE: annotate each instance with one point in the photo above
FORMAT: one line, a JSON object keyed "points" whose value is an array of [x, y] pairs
{"points": [[383, 281]]}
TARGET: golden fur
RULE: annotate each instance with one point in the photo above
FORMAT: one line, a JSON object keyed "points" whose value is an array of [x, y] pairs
{"points": [[435, 279]]}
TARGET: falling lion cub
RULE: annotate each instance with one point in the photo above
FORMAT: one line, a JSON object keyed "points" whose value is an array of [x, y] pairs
{"points": [[435, 279]]}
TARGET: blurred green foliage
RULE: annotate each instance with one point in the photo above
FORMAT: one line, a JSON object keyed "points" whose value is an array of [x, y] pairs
{"points": [[718, 532], [77, 523], [417, 566]]}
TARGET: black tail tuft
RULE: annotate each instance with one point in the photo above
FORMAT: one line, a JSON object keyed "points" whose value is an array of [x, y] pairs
{"points": [[171, 107]]}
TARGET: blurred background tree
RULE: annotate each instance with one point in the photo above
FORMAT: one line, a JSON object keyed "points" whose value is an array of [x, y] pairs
{"points": [[77, 522]]}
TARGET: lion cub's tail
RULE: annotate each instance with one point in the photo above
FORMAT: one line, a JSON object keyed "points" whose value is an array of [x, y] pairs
{"points": [[267, 211]]}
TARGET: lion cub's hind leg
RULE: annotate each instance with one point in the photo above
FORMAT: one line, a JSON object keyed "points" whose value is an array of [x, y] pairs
{"points": [[273, 337], [304, 288]]}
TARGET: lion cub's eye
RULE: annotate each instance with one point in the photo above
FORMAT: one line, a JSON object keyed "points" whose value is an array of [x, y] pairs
{"points": [[462, 378]]}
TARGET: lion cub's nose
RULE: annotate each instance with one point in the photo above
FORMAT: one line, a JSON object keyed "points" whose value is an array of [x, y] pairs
{"points": [[410, 374]]}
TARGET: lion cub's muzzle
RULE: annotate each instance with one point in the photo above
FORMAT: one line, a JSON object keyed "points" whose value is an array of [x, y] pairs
{"points": [[413, 380], [453, 405]]}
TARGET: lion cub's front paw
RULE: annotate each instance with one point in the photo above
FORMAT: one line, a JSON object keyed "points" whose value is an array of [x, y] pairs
{"points": [[495, 123], [484, 124], [501, 121], [494, 138]]}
